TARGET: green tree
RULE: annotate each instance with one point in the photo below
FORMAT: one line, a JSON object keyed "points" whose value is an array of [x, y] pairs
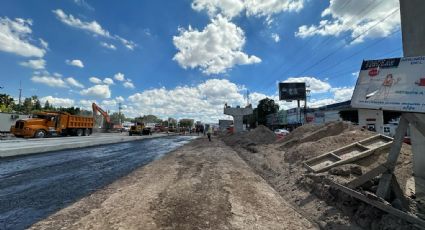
{"points": [[7, 103], [117, 118], [37, 105], [28, 106], [265, 107], [47, 105], [172, 122], [6, 100], [187, 123]]}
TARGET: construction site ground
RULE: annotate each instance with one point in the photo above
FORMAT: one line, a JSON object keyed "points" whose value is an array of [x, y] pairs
{"points": [[203, 185], [243, 181]]}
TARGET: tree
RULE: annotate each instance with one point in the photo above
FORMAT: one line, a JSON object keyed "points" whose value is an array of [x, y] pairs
{"points": [[7, 103], [37, 105], [117, 118], [6, 100], [27, 107], [172, 122], [187, 123], [47, 105], [265, 107]]}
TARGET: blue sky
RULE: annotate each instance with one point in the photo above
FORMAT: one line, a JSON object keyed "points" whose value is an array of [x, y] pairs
{"points": [[187, 58]]}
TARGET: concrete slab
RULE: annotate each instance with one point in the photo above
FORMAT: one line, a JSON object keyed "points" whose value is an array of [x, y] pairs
{"points": [[17, 147]]}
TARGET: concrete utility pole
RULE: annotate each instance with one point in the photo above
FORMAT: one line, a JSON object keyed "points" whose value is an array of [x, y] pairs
{"points": [[413, 32], [20, 92]]}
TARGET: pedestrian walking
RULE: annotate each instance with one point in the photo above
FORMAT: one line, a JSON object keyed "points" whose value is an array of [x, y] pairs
{"points": [[209, 132]]}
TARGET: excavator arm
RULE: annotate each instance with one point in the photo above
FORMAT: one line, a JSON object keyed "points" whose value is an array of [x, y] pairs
{"points": [[97, 109]]}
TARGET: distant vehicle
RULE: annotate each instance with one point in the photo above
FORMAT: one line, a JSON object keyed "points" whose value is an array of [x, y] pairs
{"points": [[139, 129], [281, 132], [126, 126], [44, 124]]}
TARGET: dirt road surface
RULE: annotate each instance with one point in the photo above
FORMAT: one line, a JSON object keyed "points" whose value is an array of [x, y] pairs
{"points": [[203, 185]]}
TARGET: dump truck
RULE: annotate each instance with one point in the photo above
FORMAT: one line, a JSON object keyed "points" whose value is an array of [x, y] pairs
{"points": [[44, 124], [139, 129]]}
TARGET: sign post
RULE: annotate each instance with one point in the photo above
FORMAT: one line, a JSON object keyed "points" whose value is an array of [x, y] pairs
{"points": [[290, 91], [396, 84]]}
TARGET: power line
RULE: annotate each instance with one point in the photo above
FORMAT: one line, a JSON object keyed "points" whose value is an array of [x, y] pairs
{"points": [[299, 50], [353, 39], [351, 21], [360, 51]]}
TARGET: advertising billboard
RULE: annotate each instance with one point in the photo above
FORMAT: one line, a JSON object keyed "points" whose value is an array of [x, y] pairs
{"points": [[396, 84], [292, 91]]}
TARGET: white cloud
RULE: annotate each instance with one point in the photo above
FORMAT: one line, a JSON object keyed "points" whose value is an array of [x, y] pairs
{"points": [[119, 99], [92, 27], [55, 80], [109, 103], [95, 80], [109, 46], [44, 44], [215, 49], [58, 102], [275, 37], [34, 64], [232, 8], [119, 77], [97, 91], [342, 93], [86, 104], [314, 84], [84, 4], [71, 81], [356, 18], [15, 38], [51, 81], [75, 62], [128, 84], [108, 81], [201, 102]]}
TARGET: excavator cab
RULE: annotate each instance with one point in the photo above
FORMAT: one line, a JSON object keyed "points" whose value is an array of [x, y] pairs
{"points": [[139, 129]]}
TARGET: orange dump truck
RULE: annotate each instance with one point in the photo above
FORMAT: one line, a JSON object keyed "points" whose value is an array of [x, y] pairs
{"points": [[45, 124]]}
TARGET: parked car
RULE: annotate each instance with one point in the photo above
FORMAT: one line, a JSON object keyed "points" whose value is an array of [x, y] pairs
{"points": [[281, 132]]}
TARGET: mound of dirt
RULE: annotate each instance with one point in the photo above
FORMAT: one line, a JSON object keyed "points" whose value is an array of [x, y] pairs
{"points": [[323, 142], [310, 133], [258, 136]]}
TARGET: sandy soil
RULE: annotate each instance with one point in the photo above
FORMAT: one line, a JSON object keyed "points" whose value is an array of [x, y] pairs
{"points": [[203, 185], [280, 164]]}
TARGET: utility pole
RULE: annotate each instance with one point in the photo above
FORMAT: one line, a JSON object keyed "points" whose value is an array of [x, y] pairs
{"points": [[119, 112], [20, 92]]}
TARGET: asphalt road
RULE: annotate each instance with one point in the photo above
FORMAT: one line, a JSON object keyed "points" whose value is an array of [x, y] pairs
{"points": [[33, 187]]}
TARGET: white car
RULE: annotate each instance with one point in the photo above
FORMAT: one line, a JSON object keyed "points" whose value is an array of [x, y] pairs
{"points": [[281, 132]]}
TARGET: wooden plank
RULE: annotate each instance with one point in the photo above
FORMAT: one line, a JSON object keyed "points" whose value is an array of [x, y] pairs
{"points": [[367, 176], [399, 194], [378, 204], [385, 181], [416, 122], [310, 163]]}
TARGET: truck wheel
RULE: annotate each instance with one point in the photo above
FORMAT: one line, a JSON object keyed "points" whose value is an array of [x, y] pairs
{"points": [[79, 132], [86, 132], [40, 133]]}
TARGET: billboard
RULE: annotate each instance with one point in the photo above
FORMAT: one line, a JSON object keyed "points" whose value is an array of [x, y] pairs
{"points": [[292, 91], [396, 84]]}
